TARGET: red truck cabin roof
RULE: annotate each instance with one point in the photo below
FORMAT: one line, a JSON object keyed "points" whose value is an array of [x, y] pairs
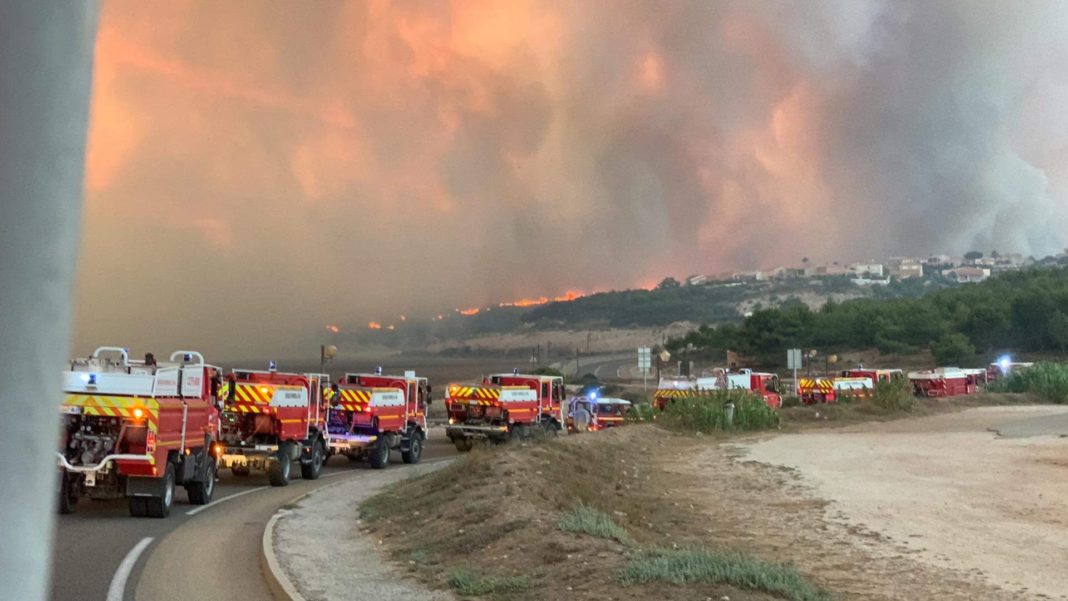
{"points": [[380, 381], [270, 377]]}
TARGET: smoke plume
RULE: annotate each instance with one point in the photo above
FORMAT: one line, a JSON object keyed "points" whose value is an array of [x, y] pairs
{"points": [[257, 170]]}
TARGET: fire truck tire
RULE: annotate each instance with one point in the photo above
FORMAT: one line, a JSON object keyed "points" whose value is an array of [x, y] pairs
{"points": [[138, 507], [379, 456], [68, 494], [279, 469], [160, 507], [201, 491], [415, 447], [353, 457], [239, 471], [311, 469], [463, 445]]}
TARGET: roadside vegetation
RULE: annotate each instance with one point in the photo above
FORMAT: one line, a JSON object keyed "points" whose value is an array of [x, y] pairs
{"points": [[1046, 380], [708, 413], [682, 566], [593, 521], [1025, 311]]}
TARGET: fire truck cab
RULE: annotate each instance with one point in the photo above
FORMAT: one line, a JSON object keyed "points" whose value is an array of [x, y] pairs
{"points": [[272, 420], [371, 414], [764, 384], [504, 406], [137, 429]]}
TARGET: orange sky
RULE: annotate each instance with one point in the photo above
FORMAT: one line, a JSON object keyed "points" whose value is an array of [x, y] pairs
{"points": [[293, 164]]}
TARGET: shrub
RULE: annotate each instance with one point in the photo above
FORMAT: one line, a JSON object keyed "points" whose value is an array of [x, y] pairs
{"points": [[952, 349], [640, 412], [894, 395], [592, 521], [679, 566], [470, 585], [705, 412], [1047, 380]]}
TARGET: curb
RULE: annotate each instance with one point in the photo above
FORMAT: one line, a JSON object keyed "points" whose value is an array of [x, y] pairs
{"points": [[282, 588]]}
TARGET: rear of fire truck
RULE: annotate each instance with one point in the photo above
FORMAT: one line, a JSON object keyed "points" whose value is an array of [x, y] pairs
{"points": [[137, 429], [272, 421], [371, 415]]}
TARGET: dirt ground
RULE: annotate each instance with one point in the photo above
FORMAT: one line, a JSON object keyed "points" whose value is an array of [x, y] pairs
{"points": [[941, 496], [936, 507]]}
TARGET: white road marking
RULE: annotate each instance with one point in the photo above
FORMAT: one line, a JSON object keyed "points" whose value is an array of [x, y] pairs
{"points": [[197, 510], [117, 589]]}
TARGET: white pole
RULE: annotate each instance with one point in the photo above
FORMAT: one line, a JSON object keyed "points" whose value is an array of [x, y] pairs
{"points": [[45, 71]]}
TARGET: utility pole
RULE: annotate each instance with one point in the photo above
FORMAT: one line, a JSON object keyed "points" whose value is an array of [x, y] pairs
{"points": [[46, 61]]}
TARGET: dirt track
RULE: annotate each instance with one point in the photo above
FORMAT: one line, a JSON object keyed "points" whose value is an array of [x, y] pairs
{"points": [[937, 507]]}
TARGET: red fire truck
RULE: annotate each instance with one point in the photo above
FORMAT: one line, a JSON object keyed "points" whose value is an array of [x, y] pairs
{"points": [[272, 420], [816, 390], [504, 406], [762, 383], [946, 381], [137, 429], [371, 414]]}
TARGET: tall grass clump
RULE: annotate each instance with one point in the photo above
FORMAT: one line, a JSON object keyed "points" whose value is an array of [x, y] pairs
{"points": [[469, 584], [682, 566], [893, 395], [706, 413], [1047, 380], [639, 412], [592, 521]]}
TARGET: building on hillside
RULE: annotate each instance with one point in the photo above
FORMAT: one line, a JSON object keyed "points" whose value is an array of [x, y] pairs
{"points": [[870, 281], [697, 280], [866, 270], [966, 274], [904, 267], [826, 270]]}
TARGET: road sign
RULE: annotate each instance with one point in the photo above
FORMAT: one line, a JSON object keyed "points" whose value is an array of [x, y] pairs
{"points": [[645, 358], [793, 358]]}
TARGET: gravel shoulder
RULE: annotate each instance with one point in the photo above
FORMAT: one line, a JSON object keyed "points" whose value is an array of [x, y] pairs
{"points": [[930, 501], [326, 556]]}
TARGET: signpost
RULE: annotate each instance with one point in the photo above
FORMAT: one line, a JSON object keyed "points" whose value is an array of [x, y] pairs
{"points": [[793, 361], [645, 361]]}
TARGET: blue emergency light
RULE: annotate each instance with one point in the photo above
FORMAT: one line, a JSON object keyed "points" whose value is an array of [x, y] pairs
{"points": [[378, 370], [272, 366]]}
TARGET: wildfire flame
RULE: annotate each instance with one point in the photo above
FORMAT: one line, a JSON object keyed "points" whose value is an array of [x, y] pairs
{"points": [[567, 297], [469, 312], [333, 328], [374, 325]]}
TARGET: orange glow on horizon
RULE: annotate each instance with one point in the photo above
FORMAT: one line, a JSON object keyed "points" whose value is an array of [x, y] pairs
{"points": [[374, 325], [469, 312]]}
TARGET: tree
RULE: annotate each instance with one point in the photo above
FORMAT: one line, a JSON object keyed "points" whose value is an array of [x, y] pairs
{"points": [[973, 255], [952, 349], [668, 282], [1058, 329]]}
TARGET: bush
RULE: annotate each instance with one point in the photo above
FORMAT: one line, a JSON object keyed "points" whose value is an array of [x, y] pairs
{"points": [[1047, 380], [705, 412], [894, 395], [470, 585], [640, 412], [592, 521], [701, 565], [952, 349]]}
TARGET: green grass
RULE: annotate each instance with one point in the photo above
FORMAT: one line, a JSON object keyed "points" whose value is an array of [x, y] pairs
{"points": [[703, 565], [705, 413], [1047, 380], [592, 521], [893, 396], [468, 584]]}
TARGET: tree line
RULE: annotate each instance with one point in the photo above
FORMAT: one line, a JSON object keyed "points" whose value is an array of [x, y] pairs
{"points": [[1016, 311]]}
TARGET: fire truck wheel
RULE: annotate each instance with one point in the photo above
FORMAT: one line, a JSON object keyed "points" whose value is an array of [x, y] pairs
{"points": [[311, 469], [200, 491], [68, 493], [278, 470], [415, 447], [160, 507], [353, 457], [138, 507], [239, 471], [379, 456], [463, 445]]}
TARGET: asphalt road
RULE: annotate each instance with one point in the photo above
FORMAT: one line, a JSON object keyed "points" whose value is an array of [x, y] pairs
{"points": [[1046, 425], [199, 552]]}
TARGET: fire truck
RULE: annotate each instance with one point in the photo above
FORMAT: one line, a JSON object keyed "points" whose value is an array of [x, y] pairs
{"points": [[504, 406], [270, 421], [372, 414], [137, 429], [816, 390], [762, 383], [946, 381]]}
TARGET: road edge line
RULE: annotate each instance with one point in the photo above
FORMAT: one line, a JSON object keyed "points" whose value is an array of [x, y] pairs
{"points": [[117, 585]]}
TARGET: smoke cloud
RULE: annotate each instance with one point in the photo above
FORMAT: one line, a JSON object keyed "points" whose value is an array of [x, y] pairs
{"points": [[257, 170]]}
